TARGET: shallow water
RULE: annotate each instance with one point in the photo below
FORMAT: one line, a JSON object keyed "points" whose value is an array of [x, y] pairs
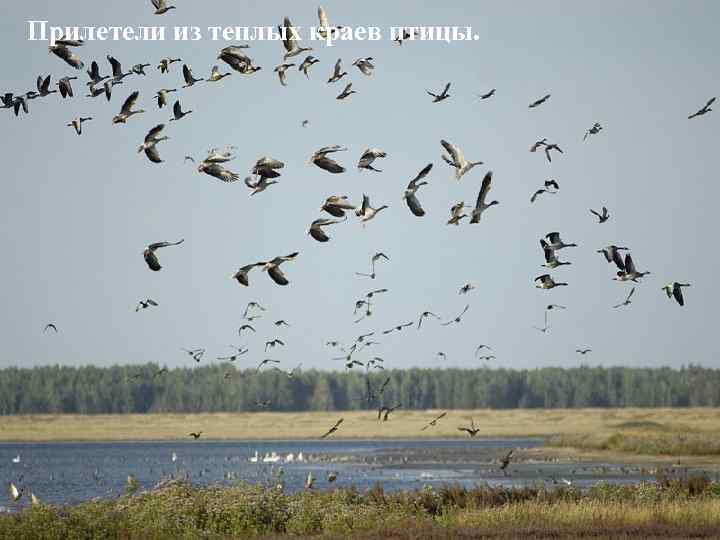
{"points": [[71, 472]]}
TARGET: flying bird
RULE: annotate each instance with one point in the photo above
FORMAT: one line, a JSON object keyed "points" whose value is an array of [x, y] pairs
{"points": [[162, 97], [144, 304], [161, 8], [551, 260], [505, 461], [242, 274], [594, 130], [412, 188], [434, 421], [368, 157], [602, 216], [245, 327], [188, 77], [316, 226], [273, 268], [216, 76], [456, 214], [489, 94], [367, 212], [457, 159], [324, 30], [332, 429], [280, 70], [266, 362], [337, 73], [583, 351], [547, 282], [375, 258], [195, 434], [127, 109], [347, 91], [612, 254], [150, 257], [365, 65], [472, 430], [457, 319], [290, 39], [309, 61], [674, 290], [539, 102], [178, 113], [705, 109], [77, 124], [441, 96], [481, 205], [385, 411], [62, 50], [50, 326], [149, 145], [466, 288], [321, 159], [628, 272]]}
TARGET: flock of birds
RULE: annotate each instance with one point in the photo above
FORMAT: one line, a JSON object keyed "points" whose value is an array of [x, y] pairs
{"points": [[266, 171]]}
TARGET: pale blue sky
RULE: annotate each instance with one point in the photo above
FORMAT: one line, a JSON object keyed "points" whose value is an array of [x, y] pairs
{"points": [[77, 211]]}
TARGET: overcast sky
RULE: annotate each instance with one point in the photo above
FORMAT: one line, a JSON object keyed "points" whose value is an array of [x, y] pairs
{"points": [[77, 212]]}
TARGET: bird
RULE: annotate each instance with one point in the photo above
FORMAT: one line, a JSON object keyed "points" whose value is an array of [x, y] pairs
{"points": [[267, 361], [628, 272], [273, 268], [583, 351], [612, 254], [50, 326], [594, 130], [307, 64], [674, 290], [178, 113], [149, 145], [398, 328], [416, 183], [365, 65], [216, 76], [62, 50], [367, 212], [336, 205], [457, 160], [539, 102], [550, 307], [117, 72], [195, 354], [165, 63], [126, 110], [704, 110], [233, 357], [332, 476], [212, 167], [505, 461], [627, 300], [441, 96], [273, 343], [466, 288], [485, 358], [457, 319], [481, 347], [162, 96], [94, 74], [242, 274], [546, 282], [456, 214], [481, 205], [144, 304], [551, 260], [280, 70], [472, 430], [337, 73], [406, 33], [65, 86], [246, 327], [385, 411], [43, 86], [188, 77], [537, 144], [78, 122], [252, 305], [549, 147], [347, 91], [368, 157], [434, 421], [290, 374], [316, 226], [545, 328], [15, 493], [304, 123], [150, 257], [280, 323], [235, 57], [441, 355], [424, 315], [555, 243], [139, 69], [487, 95], [333, 429], [289, 39], [195, 434], [321, 159], [325, 30], [34, 499], [375, 258], [602, 216], [161, 7], [550, 186]]}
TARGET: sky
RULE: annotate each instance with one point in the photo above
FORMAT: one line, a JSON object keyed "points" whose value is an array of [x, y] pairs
{"points": [[77, 212]]}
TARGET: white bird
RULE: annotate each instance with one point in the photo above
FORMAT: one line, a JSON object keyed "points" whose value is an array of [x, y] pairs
{"points": [[367, 212], [325, 30], [457, 160], [290, 39]]}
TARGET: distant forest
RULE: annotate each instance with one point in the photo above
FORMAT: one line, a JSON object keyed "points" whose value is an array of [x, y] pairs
{"points": [[220, 387]]}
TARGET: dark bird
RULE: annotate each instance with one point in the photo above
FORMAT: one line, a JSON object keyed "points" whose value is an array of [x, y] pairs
{"points": [[490, 94], [594, 130], [144, 304], [65, 86], [674, 290], [149, 145], [161, 8], [551, 260], [273, 343], [165, 63], [549, 147], [457, 319], [347, 92], [384, 412], [61, 49], [442, 95], [337, 205], [188, 77], [338, 73], [50, 326], [332, 429], [434, 421], [505, 461], [424, 315], [150, 257], [242, 274], [195, 435], [162, 96], [547, 282], [629, 272], [273, 268], [539, 102], [117, 72], [316, 226], [195, 354], [266, 362], [411, 189], [706, 109], [583, 351], [245, 327], [178, 113], [127, 109], [472, 430], [321, 159], [612, 254], [306, 64], [480, 204], [466, 288], [602, 216], [398, 328]]}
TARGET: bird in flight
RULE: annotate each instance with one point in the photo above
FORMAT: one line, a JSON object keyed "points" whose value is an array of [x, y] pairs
{"points": [[412, 188], [547, 282], [481, 205], [628, 272], [594, 130], [265, 362], [368, 158], [144, 304], [457, 319], [472, 430], [150, 257], [457, 159], [434, 421], [149, 145], [375, 258], [385, 411], [50, 326], [583, 351], [466, 288], [487, 95], [424, 315], [602, 216], [539, 102], [627, 300], [332, 429], [441, 96], [674, 290], [195, 434], [705, 109]]}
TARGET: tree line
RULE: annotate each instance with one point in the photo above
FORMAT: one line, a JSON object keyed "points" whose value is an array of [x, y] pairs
{"points": [[220, 387]]}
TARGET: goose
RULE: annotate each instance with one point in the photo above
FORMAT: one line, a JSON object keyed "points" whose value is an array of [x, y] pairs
{"points": [[365, 65], [94, 74], [216, 76], [337, 205], [49, 326], [367, 212], [150, 142], [548, 148], [458, 161], [481, 347], [235, 57], [242, 274], [550, 307], [273, 343], [550, 257], [195, 434], [117, 73], [178, 113], [239, 352], [583, 351], [612, 254], [539, 102], [325, 30], [375, 258], [265, 362], [281, 322], [195, 354], [338, 73], [259, 185], [78, 122], [126, 110], [139, 69], [407, 33], [537, 144], [371, 294], [61, 50], [290, 39], [705, 109], [434, 421], [347, 91], [368, 157], [321, 159], [546, 282], [555, 243], [150, 257], [267, 167], [629, 273], [273, 268], [161, 7], [674, 290], [307, 64], [332, 476], [399, 327], [165, 63], [466, 288], [472, 430], [304, 123], [487, 95], [108, 86], [456, 214], [627, 300], [20, 102], [8, 100], [457, 319], [332, 429], [481, 205], [316, 226], [385, 411], [162, 96], [539, 192], [216, 156], [411, 189], [602, 216], [437, 98], [188, 77], [424, 315], [280, 70], [43, 86], [505, 461], [144, 304], [213, 168], [441, 355], [15, 493], [594, 130], [246, 327], [65, 86]]}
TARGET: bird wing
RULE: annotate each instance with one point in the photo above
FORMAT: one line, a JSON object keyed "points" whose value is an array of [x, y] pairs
{"points": [[187, 74], [486, 184], [328, 164], [116, 67], [632, 291], [152, 260], [414, 205], [710, 102], [129, 102], [153, 154], [595, 213], [677, 293], [629, 264], [617, 259], [554, 237], [158, 245], [453, 151], [276, 274], [288, 42], [322, 17], [177, 109], [154, 132], [422, 174], [447, 87]]}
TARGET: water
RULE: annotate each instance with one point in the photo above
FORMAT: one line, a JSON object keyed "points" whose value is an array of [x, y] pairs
{"points": [[61, 473]]}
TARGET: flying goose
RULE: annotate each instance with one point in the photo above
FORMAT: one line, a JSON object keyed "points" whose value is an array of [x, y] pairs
{"points": [[456, 214], [265, 362], [61, 50], [705, 109], [546, 282], [216, 76], [583, 351], [365, 65], [481, 347], [550, 186], [321, 159], [43, 86], [325, 30], [332, 429], [195, 434], [126, 110], [627, 300], [505, 461], [412, 187], [50, 326], [674, 290], [77, 124], [281, 322], [458, 161], [481, 205], [539, 102], [94, 74], [246, 327], [161, 8], [551, 260], [273, 343], [280, 70], [307, 63], [594, 130], [188, 77], [338, 73], [347, 91], [457, 319], [466, 288], [602, 216], [290, 38], [550, 307], [242, 274], [273, 268], [144, 304], [537, 144], [548, 148], [151, 140], [165, 63], [398, 328], [472, 430], [336, 205], [316, 226], [290, 374], [65, 86], [629, 272], [434, 421], [195, 354], [178, 113], [259, 185], [367, 212], [150, 257], [117, 72], [239, 351], [235, 57], [437, 98], [612, 254], [545, 328], [385, 411], [139, 69], [373, 260], [162, 96], [368, 157], [213, 168], [555, 243], [489, 94], [407, 33], [441, 355]]}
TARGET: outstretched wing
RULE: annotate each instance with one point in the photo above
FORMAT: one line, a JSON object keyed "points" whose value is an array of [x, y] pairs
{"points": [[129, 102], [422, 174], [486, 184]]}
